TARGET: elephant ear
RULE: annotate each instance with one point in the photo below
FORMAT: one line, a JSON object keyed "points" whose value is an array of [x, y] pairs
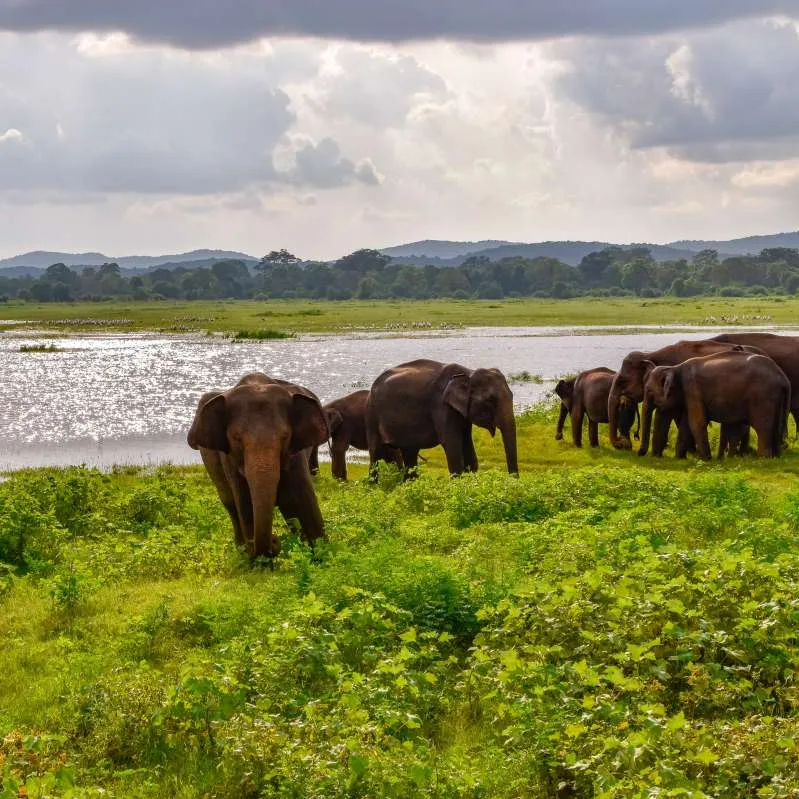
{"points": [[209, 429], [561, 389], [334, 419], [648, 367], [456, 393], [308, 423]]}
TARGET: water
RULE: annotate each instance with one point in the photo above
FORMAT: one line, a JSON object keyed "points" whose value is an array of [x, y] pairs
{"points": [[130, 398]]}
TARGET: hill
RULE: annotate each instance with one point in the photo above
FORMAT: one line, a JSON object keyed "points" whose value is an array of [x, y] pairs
{"points": [[569, 252], [41, 259]]}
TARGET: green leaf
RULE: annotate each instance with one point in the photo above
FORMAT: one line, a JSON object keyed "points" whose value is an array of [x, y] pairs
{"points": [[676, 722], [359, 765]]}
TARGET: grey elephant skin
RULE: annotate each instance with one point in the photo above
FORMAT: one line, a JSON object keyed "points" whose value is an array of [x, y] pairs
{"points": [[629, 383], [255, 440], [346, 420], [735, 388], [587, 395], [423, 403], [783, 350]]}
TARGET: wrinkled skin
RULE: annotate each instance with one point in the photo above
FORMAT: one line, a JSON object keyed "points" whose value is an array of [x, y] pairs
{"points": [[587, 395], [783, 350], [346, 419], [734, 388], [423, 403], [255, 440], [629, 382]]}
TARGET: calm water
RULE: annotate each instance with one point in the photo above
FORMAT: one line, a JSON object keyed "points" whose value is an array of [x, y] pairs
{"points": [[130, 398]]}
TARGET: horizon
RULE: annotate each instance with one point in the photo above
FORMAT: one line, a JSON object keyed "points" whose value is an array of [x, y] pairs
{"points": [[160, 254]]}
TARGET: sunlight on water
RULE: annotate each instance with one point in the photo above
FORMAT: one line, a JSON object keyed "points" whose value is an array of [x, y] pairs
{"points": [[131, 397]]}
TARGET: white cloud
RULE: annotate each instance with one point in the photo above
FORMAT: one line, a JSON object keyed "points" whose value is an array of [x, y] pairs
{"points": [[110, 144], [12, 134]]}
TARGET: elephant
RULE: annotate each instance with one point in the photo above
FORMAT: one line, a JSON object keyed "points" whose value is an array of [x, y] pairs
{"points": [[587, 394], [346, 419], [424, 403], [735, 388], [629, 382], [783, 350], [255, 440]]}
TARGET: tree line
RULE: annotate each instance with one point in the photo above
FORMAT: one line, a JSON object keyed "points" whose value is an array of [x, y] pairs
{"points": [[368, 274]]}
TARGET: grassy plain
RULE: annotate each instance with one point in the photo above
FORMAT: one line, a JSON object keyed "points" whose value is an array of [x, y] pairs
{"points": [[304, 316], [605, 625]]}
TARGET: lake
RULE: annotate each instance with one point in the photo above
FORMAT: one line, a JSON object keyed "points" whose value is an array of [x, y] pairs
{"points": [[129, 398]]}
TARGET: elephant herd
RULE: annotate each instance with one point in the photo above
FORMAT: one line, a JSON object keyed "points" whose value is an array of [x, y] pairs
{"points": [[740, 380], [259, 439]]}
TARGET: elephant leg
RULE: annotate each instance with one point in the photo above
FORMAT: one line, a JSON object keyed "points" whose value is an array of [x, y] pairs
{"points": [[296, 498], [577, 423], [375, 444], [697, 420], [338, 458], [724, 442], [216, 471], [394, 455], [564, 412], [313, 460], [745, 445], [410, 457], [685, 440], [593, 433], [660, 432], [469, 454], [452, 436]]}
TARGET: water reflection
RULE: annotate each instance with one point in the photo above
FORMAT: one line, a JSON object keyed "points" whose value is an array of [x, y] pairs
{"points": [[129, 398]]}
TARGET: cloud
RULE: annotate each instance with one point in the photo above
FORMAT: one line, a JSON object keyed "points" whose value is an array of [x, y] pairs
{"points": [[322, 165], [209, 25], [12, 134], [374, 88], [717, 96], [122, 119]]}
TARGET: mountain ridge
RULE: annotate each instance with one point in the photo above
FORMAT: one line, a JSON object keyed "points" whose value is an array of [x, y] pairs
{"points": [[440, 252]]}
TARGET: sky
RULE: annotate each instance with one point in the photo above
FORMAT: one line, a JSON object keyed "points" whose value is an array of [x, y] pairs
{"points": [[323, 127]]}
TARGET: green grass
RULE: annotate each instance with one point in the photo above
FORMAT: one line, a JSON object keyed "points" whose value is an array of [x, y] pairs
{"points": [[306, 316], [261, 335], [603, 625]]}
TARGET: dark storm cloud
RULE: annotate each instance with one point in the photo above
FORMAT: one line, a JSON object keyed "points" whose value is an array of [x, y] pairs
{"points": [[214, 23], [730, 94]]}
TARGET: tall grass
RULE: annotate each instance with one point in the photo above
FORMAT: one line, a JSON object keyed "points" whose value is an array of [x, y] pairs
{"points": [[601, 626]]}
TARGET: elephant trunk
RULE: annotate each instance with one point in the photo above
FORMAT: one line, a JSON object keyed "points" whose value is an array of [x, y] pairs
{"points": [[263, 477], [506, 422], [646, 429]]}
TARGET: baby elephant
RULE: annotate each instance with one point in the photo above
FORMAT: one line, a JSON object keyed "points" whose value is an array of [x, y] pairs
{"points": [[587, 395], [346, 418]]}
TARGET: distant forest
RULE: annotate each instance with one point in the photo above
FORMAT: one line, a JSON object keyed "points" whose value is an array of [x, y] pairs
{"points": [[368, 274]]}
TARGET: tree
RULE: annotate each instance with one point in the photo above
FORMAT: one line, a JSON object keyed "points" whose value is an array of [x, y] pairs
{"points": [[280, 257], [363, 261], [593, 266], [490, 290]]}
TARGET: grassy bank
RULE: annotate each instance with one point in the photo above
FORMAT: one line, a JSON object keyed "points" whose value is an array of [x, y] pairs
{"points": [[299, 316], [603, 626]]}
